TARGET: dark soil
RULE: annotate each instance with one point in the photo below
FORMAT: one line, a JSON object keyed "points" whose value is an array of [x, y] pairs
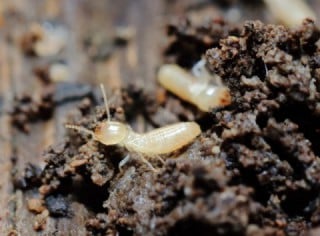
{"points": [[27, 109], [255, 169]]}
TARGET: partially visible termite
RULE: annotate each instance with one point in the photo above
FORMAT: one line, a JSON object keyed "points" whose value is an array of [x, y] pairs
{"points": [[291, 12], [156, 142], [196, 90]]}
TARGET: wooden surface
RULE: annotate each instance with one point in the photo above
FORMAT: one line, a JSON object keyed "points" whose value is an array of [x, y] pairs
{"points": [[135, 62]]}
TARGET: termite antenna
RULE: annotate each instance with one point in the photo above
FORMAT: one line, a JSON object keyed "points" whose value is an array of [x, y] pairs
{"points": [[105, 101], [80, 129]]}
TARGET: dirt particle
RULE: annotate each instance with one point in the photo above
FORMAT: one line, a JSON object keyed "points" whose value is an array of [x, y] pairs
{"points": [[35, 205], [40, 220], [57, 205]]}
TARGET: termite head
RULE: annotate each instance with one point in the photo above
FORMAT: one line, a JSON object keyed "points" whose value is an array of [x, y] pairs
{"points": [[107, 132], [111, 132], [212, 97]]}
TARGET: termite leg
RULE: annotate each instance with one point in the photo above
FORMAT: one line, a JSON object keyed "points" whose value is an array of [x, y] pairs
{"points": [[123, 162], [147, 163], [160, 159]]}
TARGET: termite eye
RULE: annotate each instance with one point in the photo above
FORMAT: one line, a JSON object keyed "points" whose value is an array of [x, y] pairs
{"points": [[111, 133]]}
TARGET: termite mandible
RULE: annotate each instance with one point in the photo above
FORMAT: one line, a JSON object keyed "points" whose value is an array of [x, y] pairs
{"points": [[159, 141]]}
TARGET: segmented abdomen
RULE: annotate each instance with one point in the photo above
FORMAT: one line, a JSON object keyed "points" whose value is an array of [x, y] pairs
{"points": [[163, 140]]}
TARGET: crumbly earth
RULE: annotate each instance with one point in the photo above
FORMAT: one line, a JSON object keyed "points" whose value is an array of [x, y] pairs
{"points": [[255, 169], [190, 41], [27, 109]]}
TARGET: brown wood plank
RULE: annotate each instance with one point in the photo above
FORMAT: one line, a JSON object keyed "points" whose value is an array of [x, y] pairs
{"points": [[5, 147]]}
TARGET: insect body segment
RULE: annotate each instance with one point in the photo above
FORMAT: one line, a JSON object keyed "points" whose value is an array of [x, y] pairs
{"points": [[197, 91], [111, 132], [163, 140]]}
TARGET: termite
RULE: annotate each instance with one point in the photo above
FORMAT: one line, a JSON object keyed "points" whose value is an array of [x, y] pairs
{"points": [[291, 12], [195, 90], [159, 141]]}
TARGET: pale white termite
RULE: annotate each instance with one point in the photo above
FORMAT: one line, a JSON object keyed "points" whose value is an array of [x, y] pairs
{"points": [[290, 12], [196, 90], [159, 141]]}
